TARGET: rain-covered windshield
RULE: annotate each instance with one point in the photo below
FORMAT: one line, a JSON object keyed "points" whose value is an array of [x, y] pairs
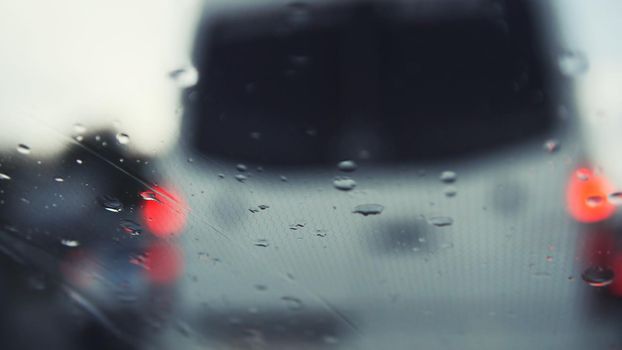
{"points": [[237, 174]]}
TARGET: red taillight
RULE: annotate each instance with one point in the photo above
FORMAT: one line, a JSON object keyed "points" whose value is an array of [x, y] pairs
{"points": [[586, 196], [164, 212]]}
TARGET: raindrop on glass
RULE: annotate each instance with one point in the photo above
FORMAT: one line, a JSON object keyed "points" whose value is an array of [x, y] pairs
{"points": [[4, 176], [551, 146], [615, 198], [368, 209], [572, 63], [123, 138], [111, 203], [185, 77], [292, 303], [23, 149], [594, 201], [59, 179], [131, 227], [347, 165], [255, 135], [70, 243], [263, 207], [583, 174], [79, 128], [441, 221], [149, 196], [344, 183], [262, 243], [283, 178], [79, 161], [450, 191], [448, 176], [241, 167], [598, 276], [240, 177]]}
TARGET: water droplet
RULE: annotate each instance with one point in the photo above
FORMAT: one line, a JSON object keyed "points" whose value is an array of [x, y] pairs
{"points": [[69, 243], [123, 138], [615, 198], [321, 233], [347, 165], [441, 221], [221, 175], [292, 303], [551, 145], [262, 243], [283, 178], [111, 203], [598, 276], [583, 174], [572, 63], [448, 176], [368, 209], [255, 135], [131, 227], [79, 161], [4, 176], [190, 160], [261, 287], [263, 207], [594, 201], [79, 128], [23, 149], [241, 177], [241, 167], [79, 138], [149, 196], [450, 191], [59, 179], [185, 77], [296, 226], [344, 183]]}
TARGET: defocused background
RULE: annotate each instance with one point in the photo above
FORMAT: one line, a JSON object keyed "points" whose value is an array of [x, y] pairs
{"points": [[310, 174]]}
